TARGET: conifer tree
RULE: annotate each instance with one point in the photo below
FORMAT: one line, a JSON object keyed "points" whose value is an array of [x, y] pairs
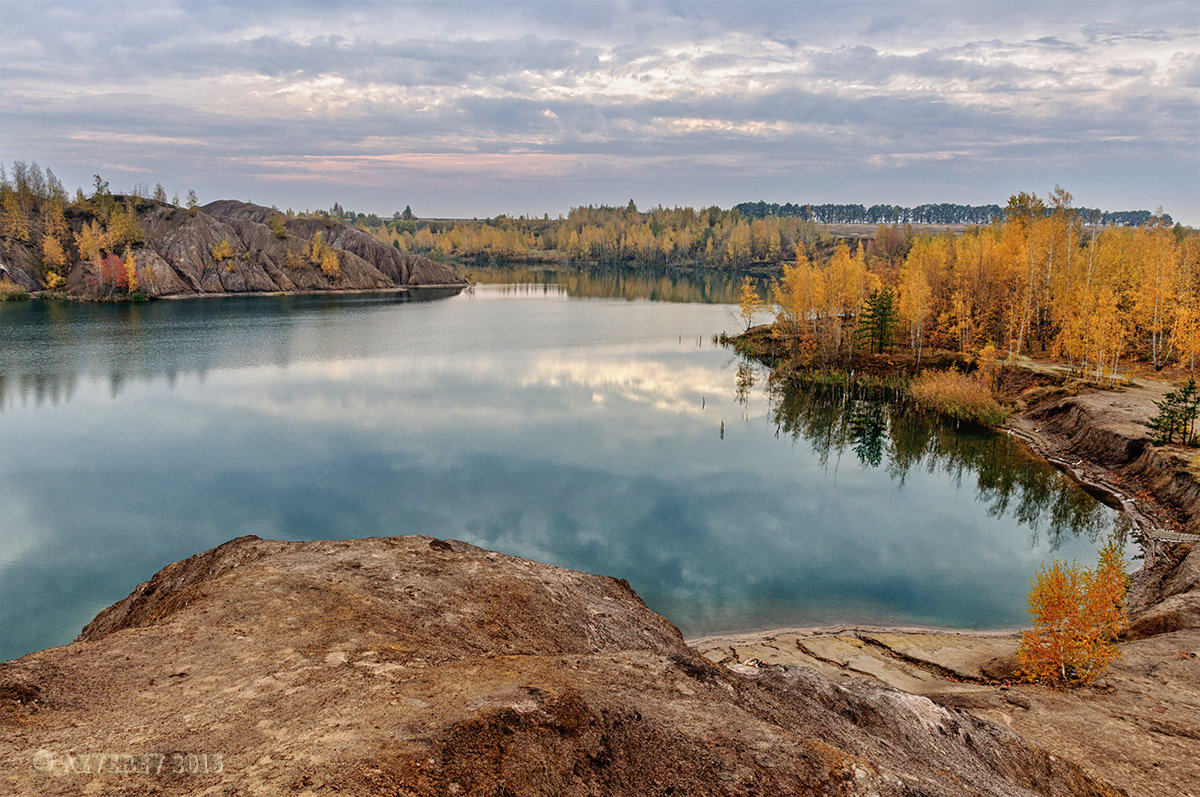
{"points": [[879, 319]]}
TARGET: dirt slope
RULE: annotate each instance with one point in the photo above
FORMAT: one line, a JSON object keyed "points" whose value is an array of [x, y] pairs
{"points": [[416, 666]]}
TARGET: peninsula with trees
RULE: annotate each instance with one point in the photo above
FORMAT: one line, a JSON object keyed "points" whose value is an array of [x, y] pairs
{"points": [[107, 246]]}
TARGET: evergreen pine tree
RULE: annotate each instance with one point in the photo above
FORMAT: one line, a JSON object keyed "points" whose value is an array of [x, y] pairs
{"points": [[879, 319]]}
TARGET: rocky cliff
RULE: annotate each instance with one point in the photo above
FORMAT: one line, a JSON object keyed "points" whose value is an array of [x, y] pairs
{"points": [[416, 666], [180, 255], [1101, 438]]}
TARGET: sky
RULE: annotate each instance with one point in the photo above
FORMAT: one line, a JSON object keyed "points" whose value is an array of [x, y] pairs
{"points": [[465, 109]]}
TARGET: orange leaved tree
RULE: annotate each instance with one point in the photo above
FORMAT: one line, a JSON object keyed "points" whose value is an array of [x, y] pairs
{"points": [[1077, 614]]}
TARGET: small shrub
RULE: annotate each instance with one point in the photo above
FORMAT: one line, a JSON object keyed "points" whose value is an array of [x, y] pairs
{"points": [[323, 255], [11, 291], [54, 280], [1077, 614], [958, 396], [278, 225], [223, 250]]}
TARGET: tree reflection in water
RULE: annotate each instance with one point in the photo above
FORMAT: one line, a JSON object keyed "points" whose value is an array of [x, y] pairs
{"points": [[665, 284], [882, 429]]}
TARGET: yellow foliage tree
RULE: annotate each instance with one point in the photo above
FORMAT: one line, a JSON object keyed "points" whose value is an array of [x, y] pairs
{"points": [[324, 255], [1185, 335], [13, 223], [749, 302], [224, 250], [53, 255], [798, 298], [131, 277], [1077, 614], [124, 227], [921, 266], [1155, 294], [91, 241], [737, 248], [54, 222], [424, 239]]}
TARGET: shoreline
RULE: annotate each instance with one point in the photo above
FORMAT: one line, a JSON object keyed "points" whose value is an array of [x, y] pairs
{"points": [[234, 294]]}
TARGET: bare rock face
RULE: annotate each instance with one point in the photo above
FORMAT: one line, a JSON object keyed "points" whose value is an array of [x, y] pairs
{"points": [[1166, 598], [417, 666], [19, 264], [177, 257], [399, 267]]}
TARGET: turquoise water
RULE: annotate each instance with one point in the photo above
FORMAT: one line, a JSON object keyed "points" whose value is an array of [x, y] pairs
{"points": [[605, 434]]}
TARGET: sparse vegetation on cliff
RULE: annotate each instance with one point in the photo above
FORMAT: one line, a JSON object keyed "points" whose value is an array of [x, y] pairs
{"points": [[222, 251], [109, 247]]}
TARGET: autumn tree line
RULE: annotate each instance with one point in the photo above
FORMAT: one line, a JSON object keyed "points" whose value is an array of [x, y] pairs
{"points": [[105, 229], [606, 235], [1042, 278], [1039, 281], [946, 213]]}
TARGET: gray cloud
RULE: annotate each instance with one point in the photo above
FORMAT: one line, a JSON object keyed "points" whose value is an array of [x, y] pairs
{"points": [[304, 103]]}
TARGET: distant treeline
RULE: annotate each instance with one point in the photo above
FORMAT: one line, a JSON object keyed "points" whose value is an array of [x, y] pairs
{"points": [[942, 213]]}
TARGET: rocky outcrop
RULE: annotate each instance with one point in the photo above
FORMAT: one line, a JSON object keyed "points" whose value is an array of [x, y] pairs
{"points": [[418, 666], [399, 267], [1106, 430], [1136, 727], [1101, 438], [1166, 598], [176, 257]]}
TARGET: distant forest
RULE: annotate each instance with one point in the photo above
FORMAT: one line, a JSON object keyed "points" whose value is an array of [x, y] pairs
{"points": [[941, 213], [1040, 275]]}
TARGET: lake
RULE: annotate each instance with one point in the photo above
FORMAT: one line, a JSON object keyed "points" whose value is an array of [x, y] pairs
{"points": [[558, 418]]}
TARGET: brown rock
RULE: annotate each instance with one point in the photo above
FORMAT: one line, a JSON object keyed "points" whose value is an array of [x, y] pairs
{"points": [[1001, 668], [414, 666]]}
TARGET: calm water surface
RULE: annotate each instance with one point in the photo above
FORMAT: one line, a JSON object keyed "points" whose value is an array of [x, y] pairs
{"points": [[578, 430]]}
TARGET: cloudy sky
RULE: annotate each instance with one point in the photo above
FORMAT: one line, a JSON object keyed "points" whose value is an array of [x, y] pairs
{"points": [[474, 109]]}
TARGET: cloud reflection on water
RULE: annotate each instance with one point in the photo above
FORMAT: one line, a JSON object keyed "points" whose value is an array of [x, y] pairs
{"points": [[587, 438]]}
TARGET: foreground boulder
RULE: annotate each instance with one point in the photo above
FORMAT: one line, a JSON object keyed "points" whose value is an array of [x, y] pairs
{"points": [[416, 666]]}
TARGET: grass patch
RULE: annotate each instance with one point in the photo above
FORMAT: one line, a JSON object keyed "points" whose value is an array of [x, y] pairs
{"points": [[11, 291], [956, 395]]}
